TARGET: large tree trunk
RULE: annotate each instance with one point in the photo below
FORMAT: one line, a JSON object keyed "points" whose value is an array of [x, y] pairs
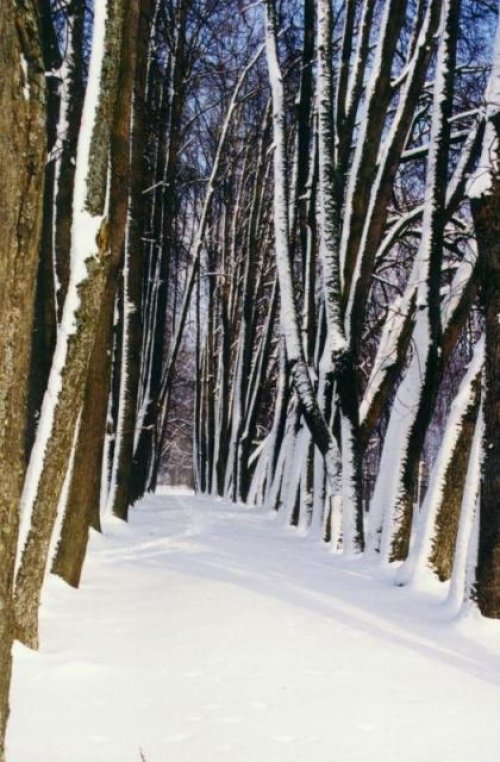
{"points": [[414, 402], [438, 518], [341, 357], [486, 211], [85, 489], [30, 576], [90, 262], [448, 515], [484, 192], [22, 158]]}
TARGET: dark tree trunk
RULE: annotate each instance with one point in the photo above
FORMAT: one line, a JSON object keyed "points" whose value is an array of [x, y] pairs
{"points": [[22, 159], [127, 488], [85, 487], [486, 212], [45, 318], [77, 339], [448, 516]]}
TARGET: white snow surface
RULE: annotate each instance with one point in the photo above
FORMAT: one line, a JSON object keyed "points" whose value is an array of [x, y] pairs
{"points": [[205, 632]]}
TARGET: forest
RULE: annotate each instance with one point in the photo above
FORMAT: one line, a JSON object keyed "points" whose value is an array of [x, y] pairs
{"points": [[252, 247]]}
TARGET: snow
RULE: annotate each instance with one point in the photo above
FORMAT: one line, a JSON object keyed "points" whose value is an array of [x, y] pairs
{"points": [[204, 632], [26, 81], [108, 491]]}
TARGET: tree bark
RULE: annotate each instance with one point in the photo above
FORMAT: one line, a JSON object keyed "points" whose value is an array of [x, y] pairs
{"points": [[486, 211], [83, 506], [90, 262], [22, 158]]}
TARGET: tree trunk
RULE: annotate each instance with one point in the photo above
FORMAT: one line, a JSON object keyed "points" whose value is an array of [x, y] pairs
{"points": [[83, 505], [45, 318], [90, 264], [22, 158], [486, 210]]}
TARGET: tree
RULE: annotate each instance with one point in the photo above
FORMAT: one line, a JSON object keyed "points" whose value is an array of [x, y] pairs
{"points": [[485, 200], [90, 262], [22, 153]]}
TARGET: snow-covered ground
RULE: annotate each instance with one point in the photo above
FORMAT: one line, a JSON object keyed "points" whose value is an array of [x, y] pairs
{"points": [[205, 632]]}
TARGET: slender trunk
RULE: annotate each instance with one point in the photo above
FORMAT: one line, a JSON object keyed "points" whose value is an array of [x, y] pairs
{"points": [[486, 208], [289, 319], [83, 507], [45, 318], [247, 328], [123, 489], [72, 99], [256, 388], [362, 173], [166, 208], [413, 405], [342, 365]]}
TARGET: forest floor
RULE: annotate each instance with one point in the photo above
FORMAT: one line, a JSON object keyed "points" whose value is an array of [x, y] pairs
{"points": [[206, 632]]}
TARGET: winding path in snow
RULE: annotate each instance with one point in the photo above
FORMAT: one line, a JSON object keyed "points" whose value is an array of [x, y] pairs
{"points": [[206, 632]]}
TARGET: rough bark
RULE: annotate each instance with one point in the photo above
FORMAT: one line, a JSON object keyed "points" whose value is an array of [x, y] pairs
{"points": [[448, 515], [342, 359], [29, 579], [487, 224], [85, 489], [45, 480], [22, 156], [414, 403], [75, 89], [124, 492]]}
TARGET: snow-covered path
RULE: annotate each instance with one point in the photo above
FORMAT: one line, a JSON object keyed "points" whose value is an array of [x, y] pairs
{"points": [[205, 632]]}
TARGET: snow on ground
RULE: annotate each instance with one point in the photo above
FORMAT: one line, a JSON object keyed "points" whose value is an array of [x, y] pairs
{"points": [[205, 632]]}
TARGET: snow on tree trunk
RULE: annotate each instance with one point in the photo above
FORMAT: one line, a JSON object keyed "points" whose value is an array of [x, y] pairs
{"points": [[484, 192], [83, 509], [364, 163], [120, 489], [465, 399], [89, 263], [299, 371], [412, 407], [466, 544]]}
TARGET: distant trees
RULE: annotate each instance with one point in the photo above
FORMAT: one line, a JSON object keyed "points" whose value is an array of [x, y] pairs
{"points": [[396, 273], [347, 309], [379, 301]]}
